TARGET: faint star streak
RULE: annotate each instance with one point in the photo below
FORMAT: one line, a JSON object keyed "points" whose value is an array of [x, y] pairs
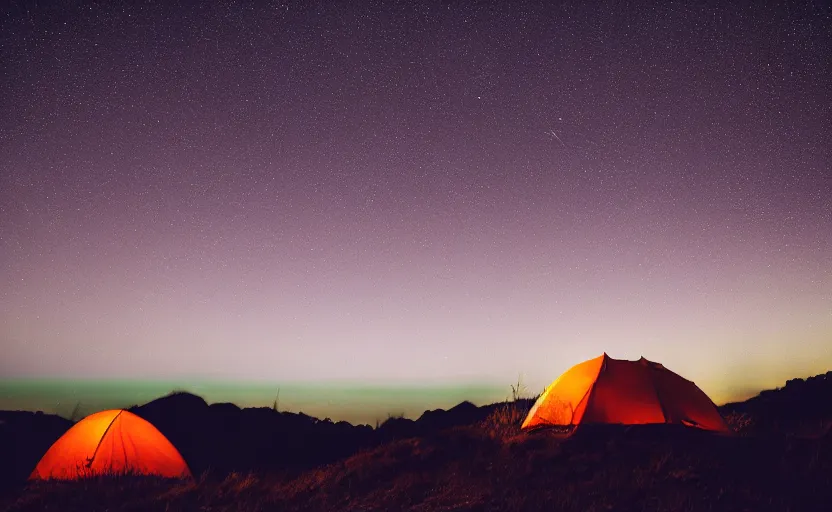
{"points": [[555, 135]]}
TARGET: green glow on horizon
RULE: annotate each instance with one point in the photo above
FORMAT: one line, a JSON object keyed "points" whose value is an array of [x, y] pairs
{"points": [[353, 402]]}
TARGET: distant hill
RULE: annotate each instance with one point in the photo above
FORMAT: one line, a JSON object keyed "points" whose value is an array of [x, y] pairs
{"points": [[802, 406]]}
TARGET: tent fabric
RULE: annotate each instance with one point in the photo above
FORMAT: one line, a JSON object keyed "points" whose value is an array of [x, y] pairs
{"points": [[111, 442], [616, 391]]}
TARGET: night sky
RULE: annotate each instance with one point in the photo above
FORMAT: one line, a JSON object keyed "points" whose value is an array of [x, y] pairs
{"points": [[415, 193]]}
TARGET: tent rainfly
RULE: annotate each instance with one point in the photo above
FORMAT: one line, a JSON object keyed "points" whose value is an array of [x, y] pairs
{"points": [[615, 391], [111, 442]]}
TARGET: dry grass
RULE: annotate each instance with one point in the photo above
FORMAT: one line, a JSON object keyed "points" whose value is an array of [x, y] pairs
{"points": [[470, 468], [506, 419], [740, 422]]}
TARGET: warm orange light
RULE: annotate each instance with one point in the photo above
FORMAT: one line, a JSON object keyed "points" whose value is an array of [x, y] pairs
{"points": [[563, 402], [606, 390], [111, 442]]}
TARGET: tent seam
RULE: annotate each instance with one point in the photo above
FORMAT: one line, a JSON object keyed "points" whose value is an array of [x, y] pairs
{"points": [[585, 397], [92, 459], [589, 390]]}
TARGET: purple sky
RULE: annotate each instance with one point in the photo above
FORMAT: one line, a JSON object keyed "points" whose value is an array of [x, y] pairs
{"points": [[377, 192]]}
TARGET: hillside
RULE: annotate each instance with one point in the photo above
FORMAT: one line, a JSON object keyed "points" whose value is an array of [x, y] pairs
{"points": [[468, 469], [802, 406], [466, 458]]}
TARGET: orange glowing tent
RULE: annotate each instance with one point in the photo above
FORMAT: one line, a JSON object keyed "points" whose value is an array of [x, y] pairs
{"points": [[111, 442], [616, 391]]}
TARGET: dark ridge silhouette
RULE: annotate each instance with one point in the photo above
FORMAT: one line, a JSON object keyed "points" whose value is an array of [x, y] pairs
{"points": [[464, 413], [223, 438], [24, 438], [801, 407]]}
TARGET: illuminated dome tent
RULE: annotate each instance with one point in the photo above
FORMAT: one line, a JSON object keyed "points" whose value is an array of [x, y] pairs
{"points": [[111, 442], [615, 391]]}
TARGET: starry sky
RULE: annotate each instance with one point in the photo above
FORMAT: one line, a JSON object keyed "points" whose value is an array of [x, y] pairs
{"points": [[414, 193]]}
